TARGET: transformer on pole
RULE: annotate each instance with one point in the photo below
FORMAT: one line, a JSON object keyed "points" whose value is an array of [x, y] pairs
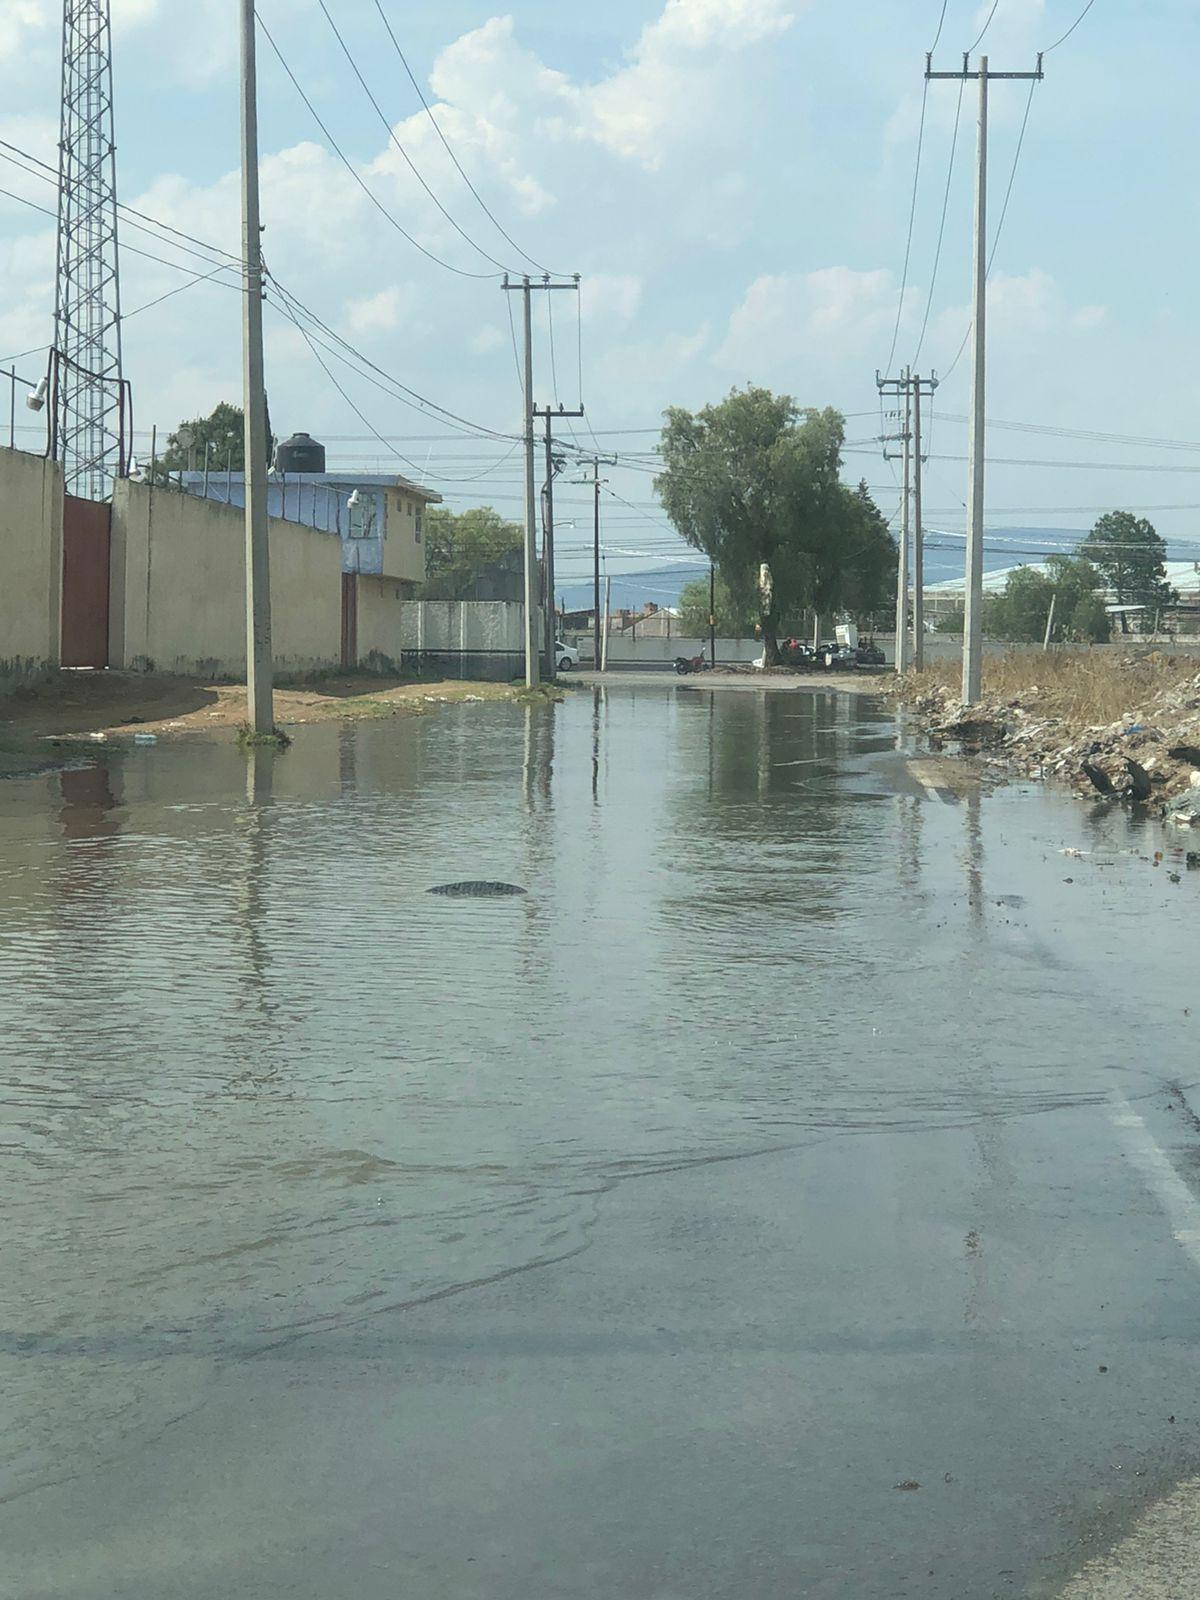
{"points": [[90, 424]]}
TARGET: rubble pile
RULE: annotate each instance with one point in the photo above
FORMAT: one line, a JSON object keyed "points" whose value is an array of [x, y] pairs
{"points": [[1149, 757]]}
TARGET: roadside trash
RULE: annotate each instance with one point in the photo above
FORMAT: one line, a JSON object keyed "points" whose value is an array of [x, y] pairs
{"points": [[145, 738], [1193, 860], [1185, 752], [1185, 811], [99, 737], [909, 1483]]}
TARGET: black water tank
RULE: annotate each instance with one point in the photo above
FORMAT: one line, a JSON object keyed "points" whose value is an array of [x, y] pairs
{"points": [[300, 453]]}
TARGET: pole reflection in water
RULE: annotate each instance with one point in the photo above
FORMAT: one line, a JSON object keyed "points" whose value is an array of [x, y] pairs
{"points": [[974, 853]]}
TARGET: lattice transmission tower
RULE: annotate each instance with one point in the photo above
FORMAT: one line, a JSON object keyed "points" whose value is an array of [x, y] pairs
{"points": [[90, 419]]}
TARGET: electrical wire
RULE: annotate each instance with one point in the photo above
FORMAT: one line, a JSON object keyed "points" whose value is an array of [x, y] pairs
{"points": [[391, 133], [912, 217], [50, 175], [986, 26], [962, 83], [1000, 223], [414, 395], [132, 249], [447, 146], [1071, 29], [461, 272]]}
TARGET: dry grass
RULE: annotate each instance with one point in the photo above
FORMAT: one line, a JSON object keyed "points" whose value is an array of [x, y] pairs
{"points": [[1089, 689]]}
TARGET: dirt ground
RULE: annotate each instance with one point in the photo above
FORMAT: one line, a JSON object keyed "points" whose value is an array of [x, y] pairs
{"points": [[117, 704]]}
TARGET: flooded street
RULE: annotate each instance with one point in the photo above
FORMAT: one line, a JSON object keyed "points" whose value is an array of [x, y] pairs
{"points": [[813, 1125]]}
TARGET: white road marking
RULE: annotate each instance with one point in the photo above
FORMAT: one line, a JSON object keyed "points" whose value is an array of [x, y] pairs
{"points": [[1175, 1197]]}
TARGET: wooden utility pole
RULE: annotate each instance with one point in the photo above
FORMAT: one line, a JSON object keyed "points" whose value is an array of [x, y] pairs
{"points": [[525, 288], [259, 685], [972, 681]]}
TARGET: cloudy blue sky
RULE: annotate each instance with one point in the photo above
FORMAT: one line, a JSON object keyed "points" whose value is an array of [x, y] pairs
{"points": [[733, 180]]}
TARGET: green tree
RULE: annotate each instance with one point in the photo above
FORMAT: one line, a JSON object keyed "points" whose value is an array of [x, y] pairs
{"points": [[734, 620], [460, 545], [1022, 611], [1131, 556], [222, 429], [753, 482]]}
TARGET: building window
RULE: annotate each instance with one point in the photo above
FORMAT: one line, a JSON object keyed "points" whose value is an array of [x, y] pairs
{"points": [[418, 524]]}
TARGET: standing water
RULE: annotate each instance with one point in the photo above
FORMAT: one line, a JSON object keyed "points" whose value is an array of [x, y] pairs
{"points": [[265, 1093]]}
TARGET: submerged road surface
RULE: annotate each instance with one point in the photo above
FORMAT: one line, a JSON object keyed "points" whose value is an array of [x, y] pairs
{"points": [[794, 1193]]}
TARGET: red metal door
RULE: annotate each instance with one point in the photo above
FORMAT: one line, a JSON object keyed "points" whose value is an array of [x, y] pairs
{"points": [[349, 619], [86, 536]]}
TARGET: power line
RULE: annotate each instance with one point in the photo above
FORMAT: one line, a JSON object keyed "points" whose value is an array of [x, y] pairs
{"points": [[391, 133], [461, 272], [986, 26], [132, 249], [942, 225], [1071, 29], [1000, 222], [447, 146]]}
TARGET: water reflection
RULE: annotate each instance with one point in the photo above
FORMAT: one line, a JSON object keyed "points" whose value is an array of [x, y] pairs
{"points": [[259, 1083]]}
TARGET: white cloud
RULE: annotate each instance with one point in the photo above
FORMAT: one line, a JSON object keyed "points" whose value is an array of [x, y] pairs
{"points": [[377, 313], [669, 86], [610, 298], [18, 20], [795, 323]]}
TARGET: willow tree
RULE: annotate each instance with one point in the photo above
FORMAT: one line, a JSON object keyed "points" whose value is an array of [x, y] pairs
{"points": [[754, 483]]}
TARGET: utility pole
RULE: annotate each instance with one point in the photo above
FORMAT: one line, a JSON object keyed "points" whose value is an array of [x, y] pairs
{"points": [[595, 480], [898, 387], [917, 535], [712, 614], [259, 696], [552, 469], [972, 682], [918, 658], [525, 288]]}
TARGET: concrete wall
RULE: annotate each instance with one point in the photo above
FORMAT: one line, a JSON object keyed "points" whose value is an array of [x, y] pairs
{"points": [[178, 586], [31, 509], [381, 611]]}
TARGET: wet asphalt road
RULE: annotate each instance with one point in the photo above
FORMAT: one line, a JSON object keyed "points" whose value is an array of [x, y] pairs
{"points": [[884, 1176]]}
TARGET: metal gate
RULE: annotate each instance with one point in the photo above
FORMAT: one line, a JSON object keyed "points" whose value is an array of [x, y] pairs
{"points": [[349, 619], [86, 537]]}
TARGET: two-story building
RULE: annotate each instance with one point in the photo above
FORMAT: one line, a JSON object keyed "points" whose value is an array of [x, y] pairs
{"points": [[379, 518]]}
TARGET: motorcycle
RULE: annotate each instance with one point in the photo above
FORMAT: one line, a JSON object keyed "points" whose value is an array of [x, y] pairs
{"points": [[686, 664]]}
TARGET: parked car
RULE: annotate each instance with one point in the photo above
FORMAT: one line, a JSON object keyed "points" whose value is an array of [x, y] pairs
{"points": [[869, 654], [566, 658], [836, 657]]}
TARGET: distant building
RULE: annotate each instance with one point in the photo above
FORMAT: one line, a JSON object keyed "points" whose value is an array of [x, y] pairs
{"points": [[379, 517]]}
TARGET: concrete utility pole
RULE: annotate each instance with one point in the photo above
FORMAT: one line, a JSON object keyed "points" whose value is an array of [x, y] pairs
{"points": [[712, 614], [972, 682], [595, 480], [903, 659], [918, 654], [525, 288], [912, 533], [553, 468], [259, 696], [898, 387]]}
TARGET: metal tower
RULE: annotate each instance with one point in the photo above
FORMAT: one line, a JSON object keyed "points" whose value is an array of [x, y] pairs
{"points": [[89, 421]]}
